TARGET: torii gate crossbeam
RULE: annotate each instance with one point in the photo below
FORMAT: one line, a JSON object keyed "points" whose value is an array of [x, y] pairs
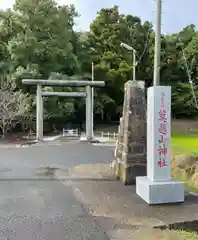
{"points": [[71, 83]]}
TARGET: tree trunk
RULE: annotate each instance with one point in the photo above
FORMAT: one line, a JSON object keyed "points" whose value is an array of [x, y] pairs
{"points": [[3, 129]]}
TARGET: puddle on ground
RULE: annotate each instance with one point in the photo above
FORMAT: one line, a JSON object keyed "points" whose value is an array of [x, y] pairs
{"points": [[3, 170], [190, 198], [187, 226], [49, 171]]}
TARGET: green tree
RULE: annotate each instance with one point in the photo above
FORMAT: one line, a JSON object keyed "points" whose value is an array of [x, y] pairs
{"points": [[112, 63]]}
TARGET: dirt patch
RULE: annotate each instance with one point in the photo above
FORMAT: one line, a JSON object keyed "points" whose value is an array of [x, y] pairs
{"points": [[15, 139], [67, 139], [119, 209], [184, 126], [92, 171], [194, 180], [178, 126], [185, 168], [155, 234]]}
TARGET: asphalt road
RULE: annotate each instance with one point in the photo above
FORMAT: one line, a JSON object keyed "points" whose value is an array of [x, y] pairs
{"points": [[33, 207]]}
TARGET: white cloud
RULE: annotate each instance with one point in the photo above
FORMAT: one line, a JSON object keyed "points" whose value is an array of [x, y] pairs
{"points": [[75, 2], [78, 7], [6, 4]]}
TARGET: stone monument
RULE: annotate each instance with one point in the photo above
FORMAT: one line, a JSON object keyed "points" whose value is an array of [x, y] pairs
{"points": [[131, 145], [158, 187]]}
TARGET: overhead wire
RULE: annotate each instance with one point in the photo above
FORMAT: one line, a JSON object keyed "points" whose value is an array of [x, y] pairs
{"points": [[145, 46], [189, 76]]}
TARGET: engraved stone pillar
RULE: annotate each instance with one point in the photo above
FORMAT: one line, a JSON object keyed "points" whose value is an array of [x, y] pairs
{"points": [[158, 187], [132, 162]]}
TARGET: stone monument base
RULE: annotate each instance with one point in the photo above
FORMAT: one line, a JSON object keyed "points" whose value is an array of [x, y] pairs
{"points": [[128, 174], [170, 191]]}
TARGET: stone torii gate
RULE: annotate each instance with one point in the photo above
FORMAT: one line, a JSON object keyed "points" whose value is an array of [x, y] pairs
{"points": [[71, 83]]}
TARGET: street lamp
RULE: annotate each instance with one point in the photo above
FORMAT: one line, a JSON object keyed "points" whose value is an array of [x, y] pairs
{"points": [[126, 46]]}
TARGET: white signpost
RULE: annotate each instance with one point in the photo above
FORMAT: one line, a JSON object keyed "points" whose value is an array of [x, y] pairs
{"points": [[158, 187]]}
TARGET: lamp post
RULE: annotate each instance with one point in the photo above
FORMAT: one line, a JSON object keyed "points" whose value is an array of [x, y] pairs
{"points": [[92, 95], [126, 46]]}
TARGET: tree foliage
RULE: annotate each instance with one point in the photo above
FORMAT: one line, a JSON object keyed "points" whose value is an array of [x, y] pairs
{"points": [[38, 40], [14, 105]]}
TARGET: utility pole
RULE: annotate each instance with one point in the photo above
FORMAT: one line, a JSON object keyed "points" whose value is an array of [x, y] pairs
{"points": [[156, 74]]}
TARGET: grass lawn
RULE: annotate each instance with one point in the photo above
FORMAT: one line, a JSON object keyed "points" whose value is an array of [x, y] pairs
{"points": [[188, 145], [185, 144]]}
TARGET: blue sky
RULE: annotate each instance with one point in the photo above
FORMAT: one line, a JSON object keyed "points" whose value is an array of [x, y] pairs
{"points": [[176, 14]]}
